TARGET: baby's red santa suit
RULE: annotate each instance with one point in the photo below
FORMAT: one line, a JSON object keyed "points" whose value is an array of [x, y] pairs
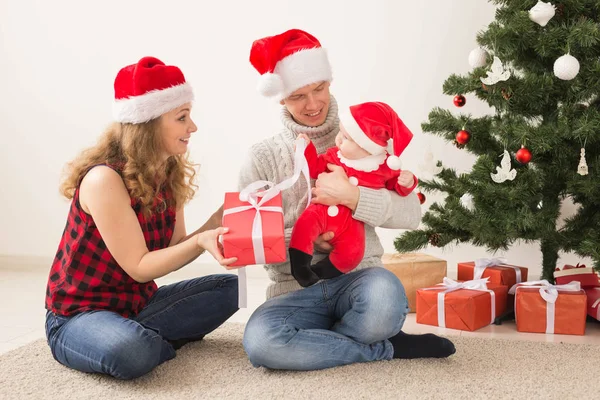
{"points": [[376, 128]]}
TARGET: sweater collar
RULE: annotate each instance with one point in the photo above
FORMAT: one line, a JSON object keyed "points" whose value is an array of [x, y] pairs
{"points": [[330, 125]]}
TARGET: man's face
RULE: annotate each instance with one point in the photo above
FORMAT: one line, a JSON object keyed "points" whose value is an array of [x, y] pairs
{"points": [[309, 105]]}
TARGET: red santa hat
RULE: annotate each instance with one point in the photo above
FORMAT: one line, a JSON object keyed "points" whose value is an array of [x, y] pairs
{"points": [[289, 61], [148, 89], [372, 125]]}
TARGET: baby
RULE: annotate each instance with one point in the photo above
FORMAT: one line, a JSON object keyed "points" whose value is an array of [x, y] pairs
{"points": [[362, 151]]}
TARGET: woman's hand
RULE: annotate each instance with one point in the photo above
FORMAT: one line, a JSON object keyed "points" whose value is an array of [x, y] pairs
{"points": [[209, 241], [333, 188]]}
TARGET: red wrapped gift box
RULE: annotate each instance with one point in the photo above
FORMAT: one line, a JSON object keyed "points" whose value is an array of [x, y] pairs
{"points": [[586, 276], [253, 239], [593, 303], [497, 270], [466, 306], [544, 308]]}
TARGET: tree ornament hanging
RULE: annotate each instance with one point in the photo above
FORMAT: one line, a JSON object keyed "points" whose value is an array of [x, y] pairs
{"points": [[523, 155], [463, 137], [434, 239], [582, 168], [458, 145], [422, 198], [459, 100], [504, 171], [566, 67], [506, 94], [478, 57], [542, 13], [466, 200], [498, 73], [429, 165]]}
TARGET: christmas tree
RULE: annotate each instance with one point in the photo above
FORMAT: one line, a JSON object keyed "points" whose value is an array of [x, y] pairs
{"points": [[538, 67]]}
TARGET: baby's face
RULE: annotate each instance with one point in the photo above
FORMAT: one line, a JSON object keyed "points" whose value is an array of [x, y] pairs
{"points": [[348, 147]]}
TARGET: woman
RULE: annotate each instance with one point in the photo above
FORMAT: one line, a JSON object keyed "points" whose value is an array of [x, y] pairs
{"points": [[126, 228]]}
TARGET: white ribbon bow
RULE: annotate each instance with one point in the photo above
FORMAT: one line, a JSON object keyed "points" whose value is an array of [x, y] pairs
{"points": [[256, 198], [549, 293], [482, 263], [451, 286]]}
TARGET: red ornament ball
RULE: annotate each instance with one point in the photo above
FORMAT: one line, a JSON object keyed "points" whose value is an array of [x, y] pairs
{"points": [[523, 155], [463, 137], [459, 100], [421, 197]]}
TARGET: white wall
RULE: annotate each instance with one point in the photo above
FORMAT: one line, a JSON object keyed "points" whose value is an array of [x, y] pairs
{"points": [[59, 59]]}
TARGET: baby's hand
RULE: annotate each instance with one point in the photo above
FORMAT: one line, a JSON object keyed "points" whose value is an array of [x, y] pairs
{"points": [[406, 179]]}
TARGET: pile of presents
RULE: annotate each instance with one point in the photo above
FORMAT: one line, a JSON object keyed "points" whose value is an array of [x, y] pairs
{"points": [[487, 290]]}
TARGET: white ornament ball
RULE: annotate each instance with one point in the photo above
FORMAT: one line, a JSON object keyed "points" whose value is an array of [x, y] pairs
{"points": [[478, 57], [542, 12], [566, 67], [467, 201]]}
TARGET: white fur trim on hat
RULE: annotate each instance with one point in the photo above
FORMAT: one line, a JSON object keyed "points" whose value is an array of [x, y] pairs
{"points": [[151, 105], [358, 135], [270, 85], [303, 68]]}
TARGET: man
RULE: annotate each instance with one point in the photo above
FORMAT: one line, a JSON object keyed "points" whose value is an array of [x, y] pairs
{"points": [[356, 317]]}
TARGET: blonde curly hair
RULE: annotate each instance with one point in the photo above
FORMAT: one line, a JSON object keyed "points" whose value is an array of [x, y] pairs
{"points": [[135, 150]]}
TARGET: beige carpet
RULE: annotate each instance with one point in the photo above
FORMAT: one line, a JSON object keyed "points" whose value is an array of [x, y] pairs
{"points": [[218, 368]]}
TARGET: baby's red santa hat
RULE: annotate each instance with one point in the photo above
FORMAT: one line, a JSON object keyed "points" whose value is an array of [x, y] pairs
{"points": [[373, 125], [289, 61], [148, 89]]}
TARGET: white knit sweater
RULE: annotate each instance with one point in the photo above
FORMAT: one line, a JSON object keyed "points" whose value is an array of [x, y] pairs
{"points": [[273, 160]]}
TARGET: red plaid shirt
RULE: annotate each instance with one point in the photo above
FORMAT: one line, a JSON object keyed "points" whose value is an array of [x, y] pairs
{"points": [[85, 276]]}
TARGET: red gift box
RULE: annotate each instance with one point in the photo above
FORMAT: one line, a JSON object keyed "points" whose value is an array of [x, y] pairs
{"points": [[256, 231], [593, 302], [497, 270], [586, 276], [544, 308], [466, 306]]}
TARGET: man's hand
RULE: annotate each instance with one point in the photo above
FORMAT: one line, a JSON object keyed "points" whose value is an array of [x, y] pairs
{"points": [[333, 188], [406, 179], [321, 244]]}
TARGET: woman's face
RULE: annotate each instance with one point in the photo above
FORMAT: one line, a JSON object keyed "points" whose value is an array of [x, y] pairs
{"points": [[176, 128]]}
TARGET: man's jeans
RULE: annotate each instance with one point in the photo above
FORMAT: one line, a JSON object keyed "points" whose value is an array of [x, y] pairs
{"points": [[339, 321], [105, 342]]}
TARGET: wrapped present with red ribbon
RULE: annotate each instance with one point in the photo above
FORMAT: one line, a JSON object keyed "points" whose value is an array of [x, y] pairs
{"points": [[466, 306], [254, 217], [541, 307], [580, 273], [497, 270], [593, 303]]}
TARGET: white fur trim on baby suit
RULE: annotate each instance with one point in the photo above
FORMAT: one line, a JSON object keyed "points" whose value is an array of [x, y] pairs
{"points": [[366, 164], [151, 105], [358, 135]]}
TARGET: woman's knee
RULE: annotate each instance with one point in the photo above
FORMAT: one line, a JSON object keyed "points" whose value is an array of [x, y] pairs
{"points": [[134, 357], [229, 288]]}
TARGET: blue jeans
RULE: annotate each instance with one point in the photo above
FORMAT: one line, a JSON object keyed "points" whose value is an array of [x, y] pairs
{"points": [[339, 321], [105, 342]]}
